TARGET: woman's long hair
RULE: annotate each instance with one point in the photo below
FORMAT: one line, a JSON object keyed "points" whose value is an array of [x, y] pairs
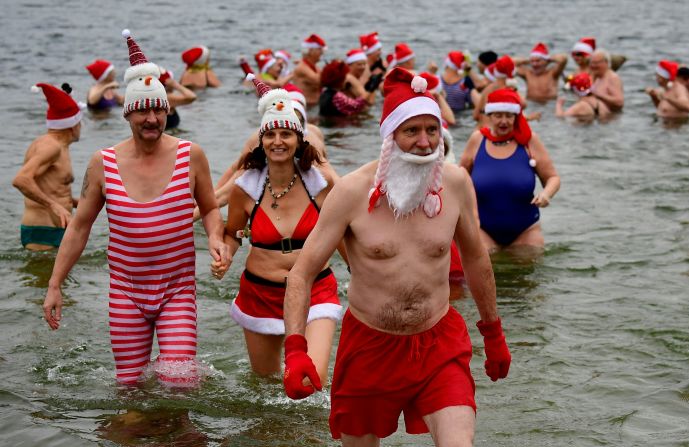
{"points": [[306, 155]]}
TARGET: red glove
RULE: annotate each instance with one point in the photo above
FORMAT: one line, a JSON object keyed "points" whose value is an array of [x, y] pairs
{"points": [[297, 366], [498, 357]]}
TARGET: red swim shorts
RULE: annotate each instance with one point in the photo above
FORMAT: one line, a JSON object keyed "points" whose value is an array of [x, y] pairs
{"points": [[378, 375], [258, 306]]}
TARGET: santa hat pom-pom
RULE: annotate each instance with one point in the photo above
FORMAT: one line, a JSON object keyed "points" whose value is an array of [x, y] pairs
{"points": [[35, 88], [532, 162], [250, 77], [432, 204], [669, 84], [126, 33], [419, 84], [512, 83]]}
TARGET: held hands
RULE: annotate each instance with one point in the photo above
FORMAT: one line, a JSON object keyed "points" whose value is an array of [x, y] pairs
{"points": [[498, 356], [541, 200], [298, 366], [52, 307], [220, 252]]}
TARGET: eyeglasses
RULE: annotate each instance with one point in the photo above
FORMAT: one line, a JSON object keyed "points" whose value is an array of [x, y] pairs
{"points": [[579, 54]]}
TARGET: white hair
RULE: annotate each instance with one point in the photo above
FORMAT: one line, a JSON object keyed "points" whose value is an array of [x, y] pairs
{"points": [[605, 53]]}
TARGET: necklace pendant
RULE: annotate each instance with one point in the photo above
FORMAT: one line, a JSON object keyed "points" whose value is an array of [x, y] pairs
{"points": [[274, 205]]}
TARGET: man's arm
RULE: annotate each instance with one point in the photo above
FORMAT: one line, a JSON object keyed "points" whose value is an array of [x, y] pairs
{"points": [[25, 180], [560, 61], [319, 246], [680, 102], [208, 207], [75, 238], [307, 74]]}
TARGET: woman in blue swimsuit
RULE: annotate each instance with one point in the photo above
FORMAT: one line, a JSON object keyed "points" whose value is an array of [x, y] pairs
{"points": [[504, 160]]}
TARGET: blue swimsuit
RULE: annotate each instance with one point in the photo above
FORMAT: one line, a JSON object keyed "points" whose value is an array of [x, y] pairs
{"points": [[504, 190]]}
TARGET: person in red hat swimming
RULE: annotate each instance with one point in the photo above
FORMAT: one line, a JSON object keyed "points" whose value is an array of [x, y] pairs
{"points": [[670, 98], [542, 72], [402, 349], [198, 73], [504, 160], [45, 179], [587, 107], [103, 95], [307, 74]]}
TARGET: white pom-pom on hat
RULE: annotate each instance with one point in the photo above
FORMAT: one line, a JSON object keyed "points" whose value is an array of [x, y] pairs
{"points": [[126, 33], [250, 77], [35, 88], [532, 162], [419, 84]]}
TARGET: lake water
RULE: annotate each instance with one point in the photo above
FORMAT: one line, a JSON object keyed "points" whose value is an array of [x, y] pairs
{"points": [[598, 327]]}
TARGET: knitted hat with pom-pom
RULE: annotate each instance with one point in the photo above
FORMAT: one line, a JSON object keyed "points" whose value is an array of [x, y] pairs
{"points": [[144, 89]]}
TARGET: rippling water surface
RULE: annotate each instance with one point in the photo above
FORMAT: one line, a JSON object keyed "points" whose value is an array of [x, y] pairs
{"points": [[598, 326]]}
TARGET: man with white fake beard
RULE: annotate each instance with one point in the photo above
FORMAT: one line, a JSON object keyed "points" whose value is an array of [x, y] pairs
{"points": [[402, 347]]}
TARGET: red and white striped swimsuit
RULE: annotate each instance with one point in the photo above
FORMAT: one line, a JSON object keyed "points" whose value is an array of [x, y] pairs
{"points": [[152, 265]]}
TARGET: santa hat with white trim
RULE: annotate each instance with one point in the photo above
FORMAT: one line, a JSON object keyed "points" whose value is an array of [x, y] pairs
{"points": [[507, 100], [403, 53], [581, 84], [370, 43], [63, 112], [275, 107], [265, 59], [314, 41], [504, 67], [196, 55], [586, 45], [406, 96], [298, 101], [540, 50], [144, 90], [100, 69], [667, 69], [355, 55], [455, 60]]}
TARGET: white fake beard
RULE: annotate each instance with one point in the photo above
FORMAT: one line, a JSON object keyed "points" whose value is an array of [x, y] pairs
{"points": [[408, 179]]}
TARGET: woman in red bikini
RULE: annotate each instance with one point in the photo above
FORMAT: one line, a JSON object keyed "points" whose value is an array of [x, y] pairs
{"points": [[275, 205]]}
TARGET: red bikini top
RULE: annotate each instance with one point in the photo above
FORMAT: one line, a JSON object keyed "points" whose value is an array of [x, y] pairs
{"points": [[265, 235]]}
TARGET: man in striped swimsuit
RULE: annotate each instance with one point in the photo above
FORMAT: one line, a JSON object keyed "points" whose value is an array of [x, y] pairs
{"points": [[148, 183]]}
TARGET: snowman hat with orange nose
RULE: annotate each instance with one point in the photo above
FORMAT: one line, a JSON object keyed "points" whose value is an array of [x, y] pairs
{"points": [[144, 89], [275, 107]]}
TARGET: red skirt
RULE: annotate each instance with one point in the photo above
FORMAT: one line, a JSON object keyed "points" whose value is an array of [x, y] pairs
{"points": [[259, 303]]}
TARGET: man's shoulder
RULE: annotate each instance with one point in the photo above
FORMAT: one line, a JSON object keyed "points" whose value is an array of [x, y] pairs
{"points": [[359, 179]]}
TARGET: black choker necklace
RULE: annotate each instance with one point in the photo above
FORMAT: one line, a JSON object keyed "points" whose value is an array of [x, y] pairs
{"points": [[502, 143]]}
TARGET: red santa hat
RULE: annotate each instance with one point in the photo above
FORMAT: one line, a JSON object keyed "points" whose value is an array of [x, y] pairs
{"points": [[585, 45], [432, 80], [455, 60], [667, 69], [100, 69], [63, 112], [314, 41], [504, 67], [406, 96], [196, 55], [275, 107], [507, 100], [165, 75], [283, 54], [370, 43], [144, 90], [265, 59], [581, 84], [540, 50], [355, 55], [298, 100], [403, 53], [490, 72]]}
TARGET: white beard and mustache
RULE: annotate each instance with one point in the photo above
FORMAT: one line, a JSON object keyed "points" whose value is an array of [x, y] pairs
{"points": [[408, 179]]}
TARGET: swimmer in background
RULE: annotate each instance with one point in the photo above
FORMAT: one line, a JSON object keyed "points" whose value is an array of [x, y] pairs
{"points": [[45, 179], [607, 85], [587, 107], [177, 95], [198, 73], [103, 94], [307, 75], [270, 69], [333, 101], [542, 73], [671, 99]]}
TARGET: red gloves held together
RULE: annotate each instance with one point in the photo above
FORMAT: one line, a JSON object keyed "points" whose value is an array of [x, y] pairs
{"points": [[299, 365], [498, 357]]}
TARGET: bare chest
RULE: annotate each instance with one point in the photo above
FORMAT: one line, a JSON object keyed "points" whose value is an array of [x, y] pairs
{"points": [[146, 180]]}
